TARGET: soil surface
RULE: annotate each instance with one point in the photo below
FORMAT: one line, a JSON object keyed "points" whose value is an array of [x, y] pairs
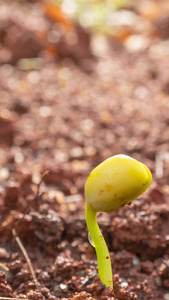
{"points": [[70, 99]]}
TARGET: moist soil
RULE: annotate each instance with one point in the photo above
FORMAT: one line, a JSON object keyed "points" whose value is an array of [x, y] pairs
{"points": [[67, 104]]}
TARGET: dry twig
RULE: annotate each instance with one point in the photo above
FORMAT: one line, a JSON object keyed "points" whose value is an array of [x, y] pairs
{"points": [[25, 254]]}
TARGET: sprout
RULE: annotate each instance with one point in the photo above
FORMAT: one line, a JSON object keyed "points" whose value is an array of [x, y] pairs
{"points": [[111, 185]]}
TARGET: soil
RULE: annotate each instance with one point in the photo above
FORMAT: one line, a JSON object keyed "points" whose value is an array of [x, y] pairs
{"points": [[69, 99]]}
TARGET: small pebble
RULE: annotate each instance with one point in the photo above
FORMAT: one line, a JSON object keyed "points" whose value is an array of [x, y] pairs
{"points": [[63, 287], [3, 253], [76, 152], [142, 213], [4, 174], [135, 261], [124, 284]]}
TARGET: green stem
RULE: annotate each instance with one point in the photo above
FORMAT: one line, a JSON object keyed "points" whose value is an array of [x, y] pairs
{"points": [[103, 256]]}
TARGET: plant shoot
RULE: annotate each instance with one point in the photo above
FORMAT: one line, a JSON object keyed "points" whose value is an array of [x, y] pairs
{"points": [[111, 185]]}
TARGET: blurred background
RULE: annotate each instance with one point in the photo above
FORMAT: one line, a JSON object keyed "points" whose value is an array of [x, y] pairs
{"points": [[81, 81]]}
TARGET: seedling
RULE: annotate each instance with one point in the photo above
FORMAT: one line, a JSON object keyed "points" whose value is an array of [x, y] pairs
{"points": [[111, 185]]}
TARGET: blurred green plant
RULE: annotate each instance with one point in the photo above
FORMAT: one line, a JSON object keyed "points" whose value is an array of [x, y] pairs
{"points": [[94, 14]]}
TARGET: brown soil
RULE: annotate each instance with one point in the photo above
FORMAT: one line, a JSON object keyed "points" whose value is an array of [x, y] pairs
{"points": [[64, 110]]}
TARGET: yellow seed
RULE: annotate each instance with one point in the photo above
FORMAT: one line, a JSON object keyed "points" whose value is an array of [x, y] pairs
{"points": [[116, 182]]}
